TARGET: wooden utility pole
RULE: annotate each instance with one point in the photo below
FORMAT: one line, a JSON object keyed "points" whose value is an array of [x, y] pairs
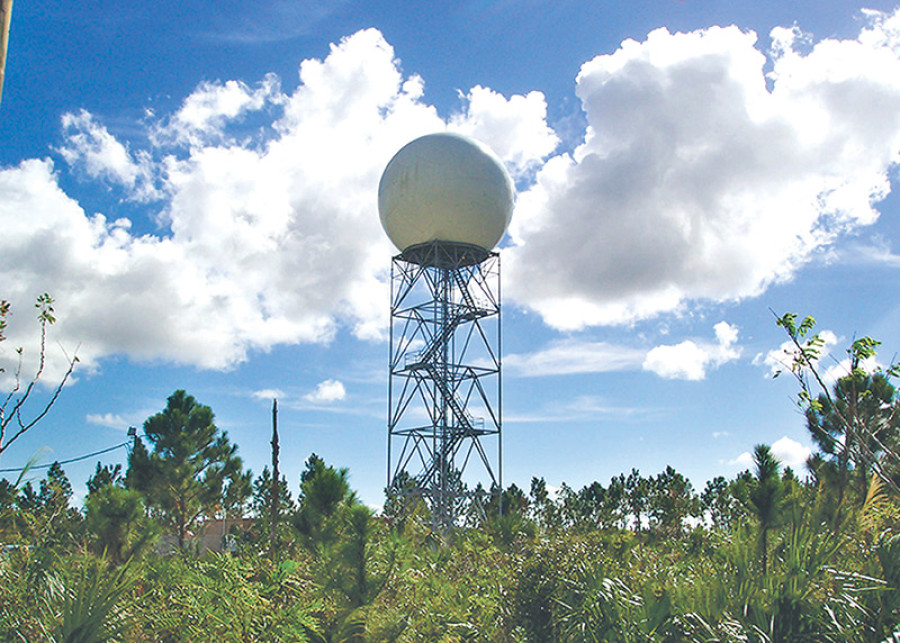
{"points": [[273, 507], [5, 16]]}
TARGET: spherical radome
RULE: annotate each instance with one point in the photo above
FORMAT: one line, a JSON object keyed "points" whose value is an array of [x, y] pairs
{"points": [[445, 187]]}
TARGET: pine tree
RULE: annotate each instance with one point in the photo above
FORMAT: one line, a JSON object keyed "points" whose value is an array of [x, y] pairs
{"points": [[185, 477]]}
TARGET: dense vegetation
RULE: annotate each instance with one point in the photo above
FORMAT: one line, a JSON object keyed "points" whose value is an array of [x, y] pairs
{"points": [[765, 556]]}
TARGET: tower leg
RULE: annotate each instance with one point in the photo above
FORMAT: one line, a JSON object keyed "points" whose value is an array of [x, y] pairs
{"points": [[444, 381]]}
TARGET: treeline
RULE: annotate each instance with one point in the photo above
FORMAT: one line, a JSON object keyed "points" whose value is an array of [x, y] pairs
{"points": [[764, 556]]}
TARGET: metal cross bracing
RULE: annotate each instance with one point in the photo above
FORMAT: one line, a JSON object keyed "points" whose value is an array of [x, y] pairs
{"points": [[444, 390]]}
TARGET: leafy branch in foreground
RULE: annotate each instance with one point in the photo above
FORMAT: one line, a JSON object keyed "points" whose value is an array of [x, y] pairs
{"points": [[857, 420], [13, 421]]}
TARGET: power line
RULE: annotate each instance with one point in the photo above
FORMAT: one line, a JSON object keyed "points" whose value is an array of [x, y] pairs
{"points": [[78, 459]]}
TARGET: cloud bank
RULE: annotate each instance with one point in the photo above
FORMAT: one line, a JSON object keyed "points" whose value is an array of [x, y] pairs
{"points": [[699, 178], [269, 231]]}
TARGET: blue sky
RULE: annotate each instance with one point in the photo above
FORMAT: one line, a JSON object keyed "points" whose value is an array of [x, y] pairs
{"points": [[195, 183]]}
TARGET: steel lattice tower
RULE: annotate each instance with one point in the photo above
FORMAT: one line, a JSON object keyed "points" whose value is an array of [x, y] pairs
{"points": [[444, 390]]}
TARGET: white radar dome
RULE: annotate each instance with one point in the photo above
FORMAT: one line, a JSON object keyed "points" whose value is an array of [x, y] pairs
{"points": [[445, 187]]}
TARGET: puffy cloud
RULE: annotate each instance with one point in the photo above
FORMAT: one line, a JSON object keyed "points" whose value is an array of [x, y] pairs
{"points": [[269, 228], [150, 297], [90, 146], [684, 361], [44, 252], [789, 452], [690, 360], [696, 180], [204, 114], [726, 334], [744, 460], [516, 129], [327, 391], [268, 394]]}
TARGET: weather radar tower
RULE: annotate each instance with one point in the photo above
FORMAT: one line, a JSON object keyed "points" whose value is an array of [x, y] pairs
{"points": [[445, 201]]}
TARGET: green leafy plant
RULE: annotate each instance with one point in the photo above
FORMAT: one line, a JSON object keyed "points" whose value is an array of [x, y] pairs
{"points": [[91, 605]]}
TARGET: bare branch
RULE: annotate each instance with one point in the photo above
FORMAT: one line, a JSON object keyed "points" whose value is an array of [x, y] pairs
{"points": [[12, 408]]}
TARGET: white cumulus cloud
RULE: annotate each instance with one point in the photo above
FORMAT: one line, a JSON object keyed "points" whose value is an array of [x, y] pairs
{"points": [[690, 360], [744, 460], [90, 146], [267, 202], [268, 394], [697, 181], [327, 391], [789, 452], [204, 114], [516, 129], [684, 361]]}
